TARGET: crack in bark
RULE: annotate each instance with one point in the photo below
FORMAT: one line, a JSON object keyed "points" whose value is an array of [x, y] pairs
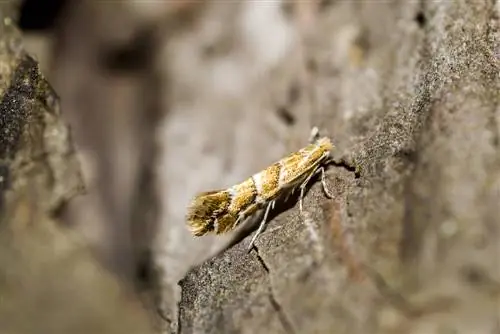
{"points": [[285, 322], [260, 259], [350, 167]]}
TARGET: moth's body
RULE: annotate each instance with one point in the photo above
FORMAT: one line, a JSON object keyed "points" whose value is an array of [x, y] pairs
{"points": [[222, 210]]}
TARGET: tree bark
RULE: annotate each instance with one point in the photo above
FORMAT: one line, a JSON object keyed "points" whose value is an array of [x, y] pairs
{"points": [[409, 93], [49, 280]]}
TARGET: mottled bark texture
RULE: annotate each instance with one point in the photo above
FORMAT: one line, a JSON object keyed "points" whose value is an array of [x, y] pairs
{"points": [[49, 280], [175, 97], [409, 92]]}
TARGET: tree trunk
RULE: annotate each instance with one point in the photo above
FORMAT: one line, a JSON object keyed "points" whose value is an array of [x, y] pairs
{"points": [[174, 98], [49, 280], [409, 93]]}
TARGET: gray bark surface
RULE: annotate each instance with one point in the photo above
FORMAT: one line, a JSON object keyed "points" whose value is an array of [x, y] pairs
{"points": [[50, 281], [171, 98], [409, 93]]}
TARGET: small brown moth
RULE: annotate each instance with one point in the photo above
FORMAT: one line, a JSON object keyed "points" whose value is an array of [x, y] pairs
{"points": [[222, 210]]}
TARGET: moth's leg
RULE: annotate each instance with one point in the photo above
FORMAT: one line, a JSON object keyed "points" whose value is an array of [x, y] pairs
{"points": [[303, 185], [261, 226], [323, 182], [301, 196], [303, 188], [290, 193], [247, 213], [239, 219]]}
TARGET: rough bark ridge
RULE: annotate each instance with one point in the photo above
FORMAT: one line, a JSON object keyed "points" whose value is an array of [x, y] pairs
{"points": [[410, 94], [49, 281]]}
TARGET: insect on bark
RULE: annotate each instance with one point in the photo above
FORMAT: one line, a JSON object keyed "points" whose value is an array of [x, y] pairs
{"points": [[220, 211]]}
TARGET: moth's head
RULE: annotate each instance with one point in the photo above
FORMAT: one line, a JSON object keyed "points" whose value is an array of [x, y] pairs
{"points": [[204, 209], [325, 143]]}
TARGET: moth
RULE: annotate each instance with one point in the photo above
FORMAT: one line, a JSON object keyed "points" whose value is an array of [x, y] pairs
{"points": [[220, 211]]}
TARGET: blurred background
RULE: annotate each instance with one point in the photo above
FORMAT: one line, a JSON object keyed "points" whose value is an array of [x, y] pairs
{"points": [[168, 98], [165, 99]]}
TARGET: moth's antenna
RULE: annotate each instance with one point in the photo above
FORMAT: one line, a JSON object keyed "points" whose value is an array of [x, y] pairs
{"points": [[314, 134]]}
